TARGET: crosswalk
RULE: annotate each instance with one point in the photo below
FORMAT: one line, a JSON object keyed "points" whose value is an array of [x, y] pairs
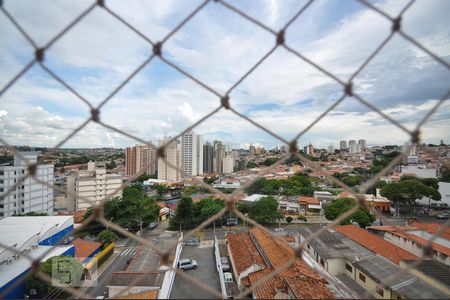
{"points": [[196, 238], [129, 252]]}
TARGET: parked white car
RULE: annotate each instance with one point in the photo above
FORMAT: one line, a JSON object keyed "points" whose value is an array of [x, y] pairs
{"points": [[225, 263], [228, 277], [186, 264]]}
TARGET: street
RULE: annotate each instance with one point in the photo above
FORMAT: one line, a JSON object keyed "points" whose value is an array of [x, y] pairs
{"points": [[206, 273]]}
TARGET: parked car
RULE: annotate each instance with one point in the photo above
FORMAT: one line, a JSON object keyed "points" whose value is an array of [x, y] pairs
{"points": [[186, 264], [152, 225], [228, 277], [232, 221], [443, 216], [225, 263], [279, 229]]}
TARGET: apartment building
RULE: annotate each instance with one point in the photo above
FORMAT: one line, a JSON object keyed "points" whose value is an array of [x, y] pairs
{"points": [[140, 158], [228, 164], [192, 154], [29, 196], [94, 185], [169, 169], [208, 158]]}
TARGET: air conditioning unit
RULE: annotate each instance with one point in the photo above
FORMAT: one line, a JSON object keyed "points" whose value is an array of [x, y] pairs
{"points": [[9, 260]]}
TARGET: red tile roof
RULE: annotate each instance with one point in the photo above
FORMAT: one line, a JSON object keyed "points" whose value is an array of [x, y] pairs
{"points": [[244, 252], [78, 216], [308, 200], [302, 280], [84, 248], [375, 243], [431, 228]]}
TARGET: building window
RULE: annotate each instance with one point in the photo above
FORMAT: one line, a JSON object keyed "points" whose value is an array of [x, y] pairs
{"points": [[380, 291], [2, 173], [362, 277], [1, 205], [23, 194], [23, 187], [15, 172], [349, 268], [23, 171], [322, 262], [1, 180], [1, 189]]}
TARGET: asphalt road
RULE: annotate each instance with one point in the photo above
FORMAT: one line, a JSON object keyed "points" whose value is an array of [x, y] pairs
{"points": [[205, 272]]}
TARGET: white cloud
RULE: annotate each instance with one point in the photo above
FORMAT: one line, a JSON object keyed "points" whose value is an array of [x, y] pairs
{"points": [[218, 47]]}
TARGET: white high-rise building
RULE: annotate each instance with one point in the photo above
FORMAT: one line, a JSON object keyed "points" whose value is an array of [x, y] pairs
{"points": [[192, 154], [171, 170], [93, 185], [343, 145], [29, 196], [331, 149], [362, 144], [228, 164], [352, 147], [199, 153]]}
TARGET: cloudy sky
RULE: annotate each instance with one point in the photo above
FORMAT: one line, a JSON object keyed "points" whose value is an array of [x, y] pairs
{"points": [[218, 47]]}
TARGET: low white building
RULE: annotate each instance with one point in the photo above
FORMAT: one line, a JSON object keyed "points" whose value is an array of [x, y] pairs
{"points": [[93, 185], [29, 196], [38, 237]]}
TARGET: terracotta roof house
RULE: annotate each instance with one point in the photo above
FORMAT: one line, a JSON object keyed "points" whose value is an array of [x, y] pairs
{"points": [[257, 254], [85, 250]]}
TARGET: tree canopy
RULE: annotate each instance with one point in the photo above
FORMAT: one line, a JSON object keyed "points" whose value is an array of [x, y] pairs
{"points": [[409, 189], [264, 211], [106, 237], [294, 185], [190, 214], [131, 209], [336, 208]]}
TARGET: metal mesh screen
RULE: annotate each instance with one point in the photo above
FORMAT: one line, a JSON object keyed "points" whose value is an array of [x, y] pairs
{"points": [[223, 103]]}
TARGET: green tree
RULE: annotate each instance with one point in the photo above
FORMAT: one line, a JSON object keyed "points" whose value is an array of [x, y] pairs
{"points": [[194, 189], [251, 165], [70, 273], [132, 209], [265, 211], [184, 215], [408, 190], [289, 219], [111, 165], [362, 216], [207, 208], [106, 237]]}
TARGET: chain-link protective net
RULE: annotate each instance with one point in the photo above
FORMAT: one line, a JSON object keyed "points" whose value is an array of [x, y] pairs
{"points": [[223, 103]]}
